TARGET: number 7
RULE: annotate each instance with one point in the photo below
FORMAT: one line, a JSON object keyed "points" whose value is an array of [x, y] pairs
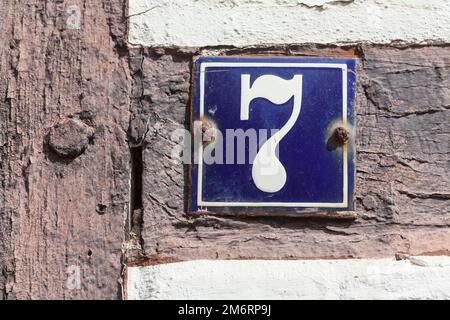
{"points": [[268, 173]]}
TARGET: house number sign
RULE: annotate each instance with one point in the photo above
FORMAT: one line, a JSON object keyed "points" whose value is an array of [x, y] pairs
{"points": [[272, 134]]}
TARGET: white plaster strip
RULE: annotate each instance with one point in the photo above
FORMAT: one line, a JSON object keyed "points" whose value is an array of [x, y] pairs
{"points": [[415, 278], [256, 22]]}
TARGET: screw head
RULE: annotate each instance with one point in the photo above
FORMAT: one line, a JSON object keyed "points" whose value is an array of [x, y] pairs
{"points": [[342, 135], [208, 132]]}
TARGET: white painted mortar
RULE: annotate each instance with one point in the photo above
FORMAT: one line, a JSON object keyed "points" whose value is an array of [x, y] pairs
{"points": [[415, 278], [256, 22]]}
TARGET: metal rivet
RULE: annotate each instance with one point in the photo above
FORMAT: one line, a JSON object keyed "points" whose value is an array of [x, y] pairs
{"points": [[208, 132], [342, 135]]}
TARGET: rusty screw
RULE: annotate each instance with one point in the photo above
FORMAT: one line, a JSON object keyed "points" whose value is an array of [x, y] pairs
{"points": [[341, 135], [208, 132], [205, 126]]}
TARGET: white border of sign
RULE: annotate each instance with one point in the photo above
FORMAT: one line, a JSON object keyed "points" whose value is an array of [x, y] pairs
{"points": [[343, 204]]}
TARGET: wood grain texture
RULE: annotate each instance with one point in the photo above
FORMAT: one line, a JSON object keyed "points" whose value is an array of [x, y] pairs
{"points": [[402, 190], [66, 210]]}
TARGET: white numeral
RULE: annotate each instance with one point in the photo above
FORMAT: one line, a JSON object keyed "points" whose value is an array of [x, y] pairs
{"points": [[268, 173]]}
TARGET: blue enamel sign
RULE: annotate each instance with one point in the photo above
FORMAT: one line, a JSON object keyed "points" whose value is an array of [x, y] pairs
{"points": [[272, 134]]}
